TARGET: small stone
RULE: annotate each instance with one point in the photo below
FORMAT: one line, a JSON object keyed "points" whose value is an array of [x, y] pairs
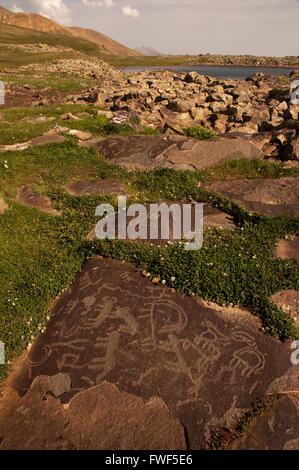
{"points": [[3, 206], [80, 134]]}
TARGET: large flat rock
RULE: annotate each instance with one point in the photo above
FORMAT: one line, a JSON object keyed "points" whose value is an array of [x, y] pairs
{"points": [[99, 418], [155, 151], [207, 364], [103, 186], [272, 197], [117, 420], [212, 217]]}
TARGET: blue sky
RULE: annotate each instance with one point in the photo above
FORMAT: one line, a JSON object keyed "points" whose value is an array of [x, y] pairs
{"points": [[260, 27]]}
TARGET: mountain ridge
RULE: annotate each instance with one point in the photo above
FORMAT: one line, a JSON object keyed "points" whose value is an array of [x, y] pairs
{"points": [[39, 23]]}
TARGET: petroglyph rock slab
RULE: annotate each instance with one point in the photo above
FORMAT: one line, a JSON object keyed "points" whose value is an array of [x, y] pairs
{"points": [[3, 206], [106, 186], [277, 429], [272, 197], [287, 249], [60, 384], [114, 325], [150, 151], [30, 198]]}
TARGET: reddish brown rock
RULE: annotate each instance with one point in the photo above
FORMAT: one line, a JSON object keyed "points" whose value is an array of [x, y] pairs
{"points": [[36, 421], [151, 151], [272, 197], [30, 198], [277, 429], [49, 138], [288, 301], [99, 418]]}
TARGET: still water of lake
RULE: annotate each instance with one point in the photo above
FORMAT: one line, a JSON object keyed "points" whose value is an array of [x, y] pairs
{"points": [[237, 73]]}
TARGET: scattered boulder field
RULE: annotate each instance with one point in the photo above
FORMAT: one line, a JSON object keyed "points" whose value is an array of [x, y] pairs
{"points": [[258, 109]]}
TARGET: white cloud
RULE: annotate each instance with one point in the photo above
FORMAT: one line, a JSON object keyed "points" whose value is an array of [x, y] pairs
{"points": [[54, 9], [16, 9], [98, 3], [129, 11]]}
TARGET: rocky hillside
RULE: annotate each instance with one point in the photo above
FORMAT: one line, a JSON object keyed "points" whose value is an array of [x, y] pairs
{"points": [[39, 23], [30, 21]]}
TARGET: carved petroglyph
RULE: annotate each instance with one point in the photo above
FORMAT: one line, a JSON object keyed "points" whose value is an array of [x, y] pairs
{"points": [[115, 325]]}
